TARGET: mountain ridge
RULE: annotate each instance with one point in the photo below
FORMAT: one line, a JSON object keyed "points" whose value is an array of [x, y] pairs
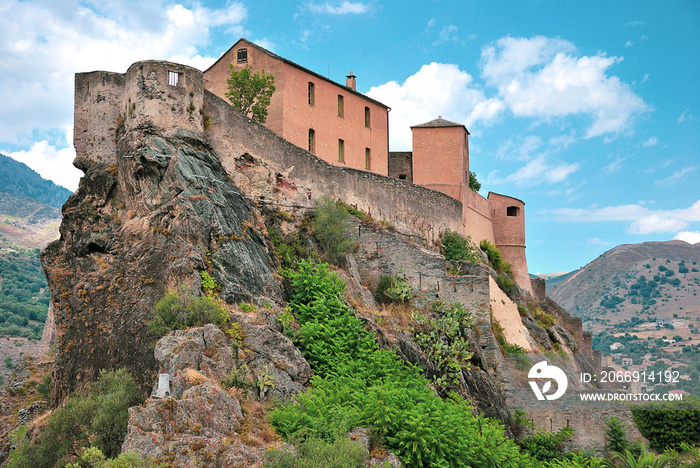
{"points": [[18, 179]]}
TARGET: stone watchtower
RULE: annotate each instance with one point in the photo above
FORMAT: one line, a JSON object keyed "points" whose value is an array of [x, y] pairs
{"points": [[441, 157], [165, 95]]}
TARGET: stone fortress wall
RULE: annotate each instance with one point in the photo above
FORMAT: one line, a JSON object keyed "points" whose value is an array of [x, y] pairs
{"points": [[171, 97]]}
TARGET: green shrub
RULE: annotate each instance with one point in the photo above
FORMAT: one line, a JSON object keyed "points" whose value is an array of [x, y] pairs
{"points": [[331, 229], [394, 289], [178, 310], [459, 249], [543, 318], [616, 436], [355, 384], [318, 453], [669, 424], [493, 254], [442, 339], [209, 285], [238, 378], [94, 458], [508, 286], [98, 419], [547, 446]]}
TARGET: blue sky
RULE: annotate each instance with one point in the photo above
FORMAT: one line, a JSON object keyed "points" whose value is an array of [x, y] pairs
{"points": [[587, 111]]}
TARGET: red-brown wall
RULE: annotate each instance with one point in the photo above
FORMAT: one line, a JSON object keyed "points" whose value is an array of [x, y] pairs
{"points": [[291, 116], [441, 159]]}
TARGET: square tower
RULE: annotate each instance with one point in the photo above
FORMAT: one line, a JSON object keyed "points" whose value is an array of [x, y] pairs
{"points": [[441, 157]]}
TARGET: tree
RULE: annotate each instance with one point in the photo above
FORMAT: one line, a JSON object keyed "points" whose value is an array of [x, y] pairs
{"points": [[474, 184], [250, 92]]}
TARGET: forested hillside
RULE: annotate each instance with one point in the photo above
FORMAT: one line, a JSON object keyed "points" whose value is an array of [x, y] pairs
{"points": [[24, 295], [18, 179]]}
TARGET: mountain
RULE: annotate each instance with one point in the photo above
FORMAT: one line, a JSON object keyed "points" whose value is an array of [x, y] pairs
{"points": [[649, 280], [26, 222], [18, 179]]}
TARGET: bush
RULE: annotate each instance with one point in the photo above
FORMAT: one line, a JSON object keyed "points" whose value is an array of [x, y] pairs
{"points": [[394, 289], [668, 425], [318, 453], [179, 310], [616, 436], [442, 339], [99, 419], [493, 254], [456, 248], [547, 446], [331, 229]]}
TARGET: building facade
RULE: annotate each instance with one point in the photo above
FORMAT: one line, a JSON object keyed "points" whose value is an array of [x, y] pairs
{"points": [[335, 122]]}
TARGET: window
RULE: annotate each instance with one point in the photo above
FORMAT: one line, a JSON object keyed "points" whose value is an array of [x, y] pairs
{"points": [[173, 78], [242, 55], [341, 151], [341, 106], [368, 158], [367, 117], [512, 211], [312, 94], [312, 141], [402, 176]]}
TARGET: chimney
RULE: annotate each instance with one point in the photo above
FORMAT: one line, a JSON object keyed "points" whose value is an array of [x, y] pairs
{"points": [[350, 81]]}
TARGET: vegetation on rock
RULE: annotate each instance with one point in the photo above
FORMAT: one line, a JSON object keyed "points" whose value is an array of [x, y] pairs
{"points": [[96, 420], [457, 248]]}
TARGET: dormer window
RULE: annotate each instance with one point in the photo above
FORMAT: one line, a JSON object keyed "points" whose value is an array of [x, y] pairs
{"points": [[173, 78], [242, 55]]}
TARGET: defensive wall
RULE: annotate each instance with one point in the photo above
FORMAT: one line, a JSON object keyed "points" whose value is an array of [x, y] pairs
{"points": [[109, 104], [164, 97]]}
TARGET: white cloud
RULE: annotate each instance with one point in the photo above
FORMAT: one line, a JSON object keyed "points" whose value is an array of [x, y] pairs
{"points": [[597, 241], [544, 77], [652, 141], [44, 43], [643, 220], [677, 176], [342, 9], [657, 223], [629, 44], [691, 237], [614, 165], [682, 117], [40, 58], [447, 34], [437, 89], [535, 172], [51, 163]]}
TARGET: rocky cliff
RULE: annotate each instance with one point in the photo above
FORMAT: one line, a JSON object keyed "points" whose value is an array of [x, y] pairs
{"points": [[149, 223], [163, 200]]}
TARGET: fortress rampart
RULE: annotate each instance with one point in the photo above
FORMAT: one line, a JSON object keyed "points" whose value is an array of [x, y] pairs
{"points": [[166, 97]]}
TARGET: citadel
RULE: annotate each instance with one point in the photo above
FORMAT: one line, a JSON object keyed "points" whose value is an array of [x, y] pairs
{"points": [[422, 193]]}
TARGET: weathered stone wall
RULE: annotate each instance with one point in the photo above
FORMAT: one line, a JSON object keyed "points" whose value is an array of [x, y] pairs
{"points": [[151, 101], [539, 287], [97, 109], [108, 104], [586, 418], [401, 163]]}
